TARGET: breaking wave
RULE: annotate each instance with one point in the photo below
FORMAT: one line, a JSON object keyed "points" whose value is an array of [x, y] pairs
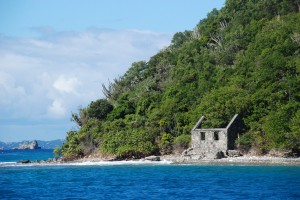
{"points": [[85, 163]]}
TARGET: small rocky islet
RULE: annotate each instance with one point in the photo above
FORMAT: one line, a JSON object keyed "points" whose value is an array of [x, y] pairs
{"points": [[28, 145]]}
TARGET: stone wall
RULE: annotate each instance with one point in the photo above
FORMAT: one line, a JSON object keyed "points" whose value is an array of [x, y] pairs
{"points": [[214, 142], [208, 142]]}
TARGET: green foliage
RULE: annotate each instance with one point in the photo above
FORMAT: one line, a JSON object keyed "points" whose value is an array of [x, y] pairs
{"points": [[99, 109], [81, 117], [71, 148], [180, 38], [294, 136], [241, 59], [277, 126], [183, 140], [57, 152], [124, 107], [132, 144], [245, 141], [181, 143], [166, 143]]}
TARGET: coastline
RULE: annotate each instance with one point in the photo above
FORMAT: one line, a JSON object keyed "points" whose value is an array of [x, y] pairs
{"points": [[176, 159], [239, 161]]}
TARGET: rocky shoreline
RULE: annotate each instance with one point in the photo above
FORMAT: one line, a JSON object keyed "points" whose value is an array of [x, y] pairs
{"points": [[178, 159], [50, 160], [241, 160]]}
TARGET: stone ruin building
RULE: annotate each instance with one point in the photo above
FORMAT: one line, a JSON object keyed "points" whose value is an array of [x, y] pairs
{"points": [[214, 143]]}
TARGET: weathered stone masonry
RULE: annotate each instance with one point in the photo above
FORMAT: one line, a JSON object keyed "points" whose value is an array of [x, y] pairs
{"points": [[214, 142]]}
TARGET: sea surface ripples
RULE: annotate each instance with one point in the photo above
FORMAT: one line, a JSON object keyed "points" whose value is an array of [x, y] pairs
{"points": [[149, 182], [141, 180]]}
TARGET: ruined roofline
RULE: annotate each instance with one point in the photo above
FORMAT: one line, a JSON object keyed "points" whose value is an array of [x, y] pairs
{"points": [[199, 123], [232, 120]]}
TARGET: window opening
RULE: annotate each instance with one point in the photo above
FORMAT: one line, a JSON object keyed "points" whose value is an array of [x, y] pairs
{"points": [[216, 135], [202, 135]]}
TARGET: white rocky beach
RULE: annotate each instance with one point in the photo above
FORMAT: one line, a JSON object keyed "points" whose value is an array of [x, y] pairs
{"points": [[179, 159], [241, 160]]}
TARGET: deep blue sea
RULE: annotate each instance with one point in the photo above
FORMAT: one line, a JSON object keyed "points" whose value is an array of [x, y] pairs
{"points": [[141, 180]]}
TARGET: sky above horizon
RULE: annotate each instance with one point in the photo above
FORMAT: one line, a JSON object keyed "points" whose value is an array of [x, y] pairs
{"points": [[55, 54]]}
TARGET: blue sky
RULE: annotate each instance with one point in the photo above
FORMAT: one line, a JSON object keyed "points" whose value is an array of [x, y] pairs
{"points": [[55, 54]]}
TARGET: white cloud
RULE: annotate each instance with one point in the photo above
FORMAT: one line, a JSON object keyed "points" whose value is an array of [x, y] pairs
{"points": [[50, 76], [66, 85], [56, 110], [9, 91]]}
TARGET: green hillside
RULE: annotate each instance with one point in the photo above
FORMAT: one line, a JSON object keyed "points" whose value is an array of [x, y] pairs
{"points": [[241, 59]]}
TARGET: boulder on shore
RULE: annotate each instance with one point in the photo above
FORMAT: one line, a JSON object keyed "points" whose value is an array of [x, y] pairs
{"points": [[219, 155], [233, 153], [153, 158]]}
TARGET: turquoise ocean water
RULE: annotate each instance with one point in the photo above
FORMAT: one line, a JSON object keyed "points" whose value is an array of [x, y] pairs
{"points": [[141, 180]]}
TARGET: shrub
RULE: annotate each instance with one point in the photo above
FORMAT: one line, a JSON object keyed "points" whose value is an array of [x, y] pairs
{"points": [[165, 144], [181, 143]]}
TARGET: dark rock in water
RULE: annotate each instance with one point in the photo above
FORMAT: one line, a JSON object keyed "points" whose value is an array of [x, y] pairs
{"points": [[153, 158], [24, 161], [49, 160]]}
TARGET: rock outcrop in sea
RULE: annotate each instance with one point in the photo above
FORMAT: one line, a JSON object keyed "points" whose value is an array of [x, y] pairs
{"points": [[29, 145]]}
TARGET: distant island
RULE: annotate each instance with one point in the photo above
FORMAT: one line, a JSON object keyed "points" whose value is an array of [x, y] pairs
{"points": [[35, 144], [28, 145]]}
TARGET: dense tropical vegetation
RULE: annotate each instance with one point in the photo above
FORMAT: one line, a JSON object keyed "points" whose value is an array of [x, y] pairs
{"points": [[241, 59]]}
